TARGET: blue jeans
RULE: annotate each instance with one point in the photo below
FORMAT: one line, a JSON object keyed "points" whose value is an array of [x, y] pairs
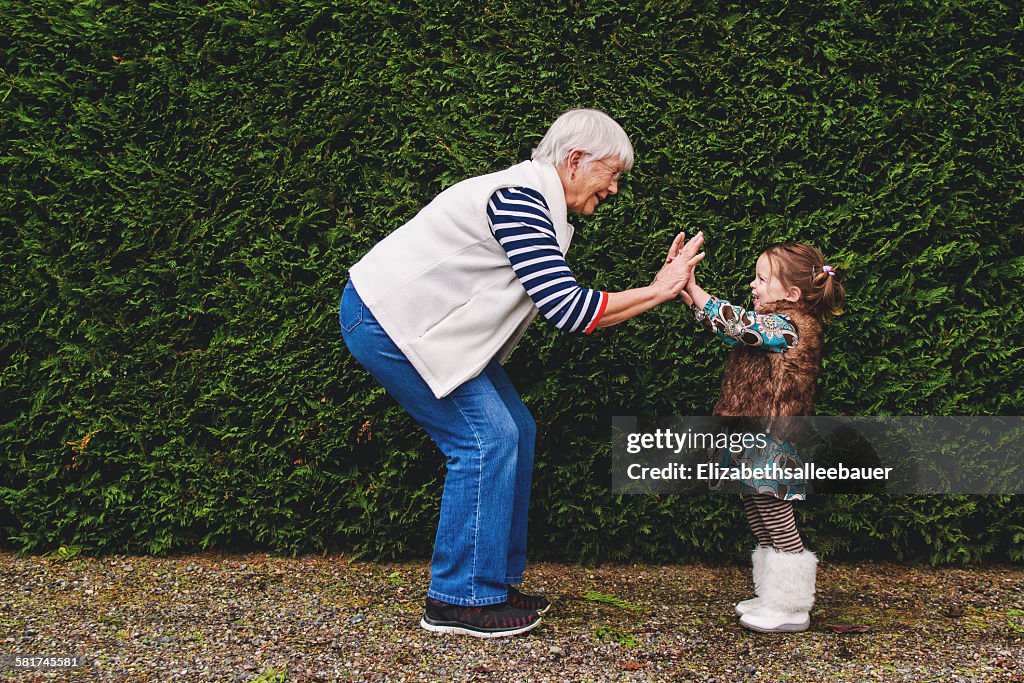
{"points": [[488, 436]]}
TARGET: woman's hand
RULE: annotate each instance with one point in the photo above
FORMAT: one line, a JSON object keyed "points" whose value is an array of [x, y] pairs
{"points": [[680, 263], [677, 245], [682, 258], [691, 290]]}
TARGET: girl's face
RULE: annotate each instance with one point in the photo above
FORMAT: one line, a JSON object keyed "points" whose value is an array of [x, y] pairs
{"points": [[766, 287]]}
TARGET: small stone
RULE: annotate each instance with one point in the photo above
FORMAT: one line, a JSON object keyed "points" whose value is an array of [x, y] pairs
{"points": [[357, 619], [555, 650], [750, 669]]}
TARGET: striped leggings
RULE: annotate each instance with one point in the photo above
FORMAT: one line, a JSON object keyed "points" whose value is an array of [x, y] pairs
{"points": [[772, 522]]}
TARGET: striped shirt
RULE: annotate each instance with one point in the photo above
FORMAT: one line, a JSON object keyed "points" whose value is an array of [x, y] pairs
{"points": [[521, 222]]}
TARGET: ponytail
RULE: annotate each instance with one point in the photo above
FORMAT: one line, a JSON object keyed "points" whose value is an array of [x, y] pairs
{"points": [[802, 266]]}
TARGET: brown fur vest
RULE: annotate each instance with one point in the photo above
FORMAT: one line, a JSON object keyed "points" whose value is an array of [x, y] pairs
{"points": [[757, 382]]}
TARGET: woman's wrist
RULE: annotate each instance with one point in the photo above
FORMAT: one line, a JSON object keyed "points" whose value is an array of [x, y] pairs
{"points": [[630, 303], [659, 293]]}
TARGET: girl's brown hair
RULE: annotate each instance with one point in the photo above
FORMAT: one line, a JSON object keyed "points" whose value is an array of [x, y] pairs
{"points": [[803, 266]]}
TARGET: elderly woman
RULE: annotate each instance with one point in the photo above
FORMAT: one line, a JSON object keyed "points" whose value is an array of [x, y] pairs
{"points": [[435, 307]]}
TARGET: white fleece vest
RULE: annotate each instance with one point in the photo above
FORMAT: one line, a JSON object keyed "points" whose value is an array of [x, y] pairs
{"points": [[442, 287]]}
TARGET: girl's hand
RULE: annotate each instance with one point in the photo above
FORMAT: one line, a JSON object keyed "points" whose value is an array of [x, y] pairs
{"points": [[694, 294]]}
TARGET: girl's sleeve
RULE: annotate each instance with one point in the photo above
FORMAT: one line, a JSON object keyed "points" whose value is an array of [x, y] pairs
{"points": [[736, 325]]}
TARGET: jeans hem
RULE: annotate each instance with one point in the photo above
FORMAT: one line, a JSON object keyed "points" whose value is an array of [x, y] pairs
{"points": [[467, 602]]}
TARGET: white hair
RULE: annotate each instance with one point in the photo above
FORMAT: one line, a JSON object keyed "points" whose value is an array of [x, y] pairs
{"points": [[589, 130]]}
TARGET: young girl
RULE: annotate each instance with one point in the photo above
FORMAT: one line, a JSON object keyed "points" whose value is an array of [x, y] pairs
{"points": [[771, 370]]}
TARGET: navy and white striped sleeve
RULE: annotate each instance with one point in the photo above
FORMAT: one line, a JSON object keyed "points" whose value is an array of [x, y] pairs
{"points": [[521, 222]]}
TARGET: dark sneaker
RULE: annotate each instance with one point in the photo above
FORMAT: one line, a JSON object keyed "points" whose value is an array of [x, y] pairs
{"points": [[491, 621], [530, 603]]}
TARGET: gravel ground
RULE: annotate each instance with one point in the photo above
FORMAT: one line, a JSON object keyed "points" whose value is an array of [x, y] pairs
{"points": [[243, 618]]}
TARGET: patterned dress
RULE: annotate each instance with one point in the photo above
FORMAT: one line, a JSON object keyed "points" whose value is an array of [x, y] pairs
{"points": [[774, 333]]}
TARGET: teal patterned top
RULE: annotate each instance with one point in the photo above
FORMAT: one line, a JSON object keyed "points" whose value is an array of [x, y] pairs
{"points": [[735, 325]]}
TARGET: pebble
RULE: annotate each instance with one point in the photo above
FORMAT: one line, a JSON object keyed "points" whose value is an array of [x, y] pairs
{"points": [[307, 624]]}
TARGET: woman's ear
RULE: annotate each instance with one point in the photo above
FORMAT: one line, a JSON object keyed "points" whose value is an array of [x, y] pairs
{"points": [[572, 162], [794, 294]]}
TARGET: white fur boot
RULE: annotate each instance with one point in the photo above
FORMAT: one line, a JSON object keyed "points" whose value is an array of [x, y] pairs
{"points": [[787, 593], [757, 560]]}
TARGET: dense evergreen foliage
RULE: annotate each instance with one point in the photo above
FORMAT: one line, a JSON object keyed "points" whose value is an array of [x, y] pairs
{"points": [[186, 184]]}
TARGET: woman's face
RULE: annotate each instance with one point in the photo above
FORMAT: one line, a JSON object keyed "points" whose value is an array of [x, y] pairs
{"points": [[594, 180], [766, 287]]}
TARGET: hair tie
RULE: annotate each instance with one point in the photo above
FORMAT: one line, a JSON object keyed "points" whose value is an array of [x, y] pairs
{"points": [[829, 270]]}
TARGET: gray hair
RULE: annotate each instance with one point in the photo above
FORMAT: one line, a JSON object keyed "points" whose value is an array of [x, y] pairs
{"points": [[588, 130]]}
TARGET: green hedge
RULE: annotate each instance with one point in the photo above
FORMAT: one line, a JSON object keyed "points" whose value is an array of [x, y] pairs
{"points": [[186, 184]]}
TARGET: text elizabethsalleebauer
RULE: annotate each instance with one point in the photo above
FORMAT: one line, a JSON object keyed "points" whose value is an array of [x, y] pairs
{"points": [[713, 472]]}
